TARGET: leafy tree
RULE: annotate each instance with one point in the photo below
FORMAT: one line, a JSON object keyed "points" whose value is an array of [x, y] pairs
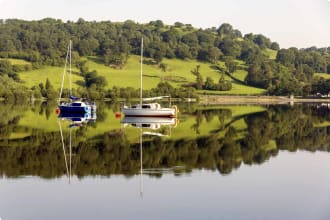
{"points": [[49, 91], [275, 46], [199, 78], [231, 65], [230, 47], [92, 79], [182, 51], [209, 84]]}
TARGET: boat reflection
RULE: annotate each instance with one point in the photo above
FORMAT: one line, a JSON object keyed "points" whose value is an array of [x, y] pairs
{"points": [[78, 119], [75, 119], [149, 122]]}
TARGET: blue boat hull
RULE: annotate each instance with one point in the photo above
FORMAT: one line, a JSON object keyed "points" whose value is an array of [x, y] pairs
{"points": [[78, 109]]}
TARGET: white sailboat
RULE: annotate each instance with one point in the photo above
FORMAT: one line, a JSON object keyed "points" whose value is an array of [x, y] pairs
{"points": [[148, 109]]}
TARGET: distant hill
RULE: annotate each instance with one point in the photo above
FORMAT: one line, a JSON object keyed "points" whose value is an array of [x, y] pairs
{"points": [[34, 49]]}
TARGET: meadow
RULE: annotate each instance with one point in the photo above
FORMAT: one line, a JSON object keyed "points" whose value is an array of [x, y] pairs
{"points": [[178, 73], [54, 74]]}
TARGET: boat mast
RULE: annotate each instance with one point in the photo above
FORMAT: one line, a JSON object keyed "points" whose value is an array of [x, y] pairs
{"points": [[141, 164], [70, 46], [63, 146], [141, 71], [64, 72]]}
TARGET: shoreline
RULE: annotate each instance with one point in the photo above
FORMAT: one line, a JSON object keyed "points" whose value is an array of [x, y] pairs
{"points": [[219, 99]]}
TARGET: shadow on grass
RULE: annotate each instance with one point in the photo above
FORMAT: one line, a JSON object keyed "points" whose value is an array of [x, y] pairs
{"points": [[98, 60], [222, 70], [80, 83], [150, 76], [149, 62], [218, 68], [176, 79]]}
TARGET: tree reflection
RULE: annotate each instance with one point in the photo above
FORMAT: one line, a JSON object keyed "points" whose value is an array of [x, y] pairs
{"points": [[267, 133]]}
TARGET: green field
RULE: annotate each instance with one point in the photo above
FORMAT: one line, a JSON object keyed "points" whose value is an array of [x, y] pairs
{"points": [[17, 61], [54, 74], [240, 74], [178, 73], [237, 89]]}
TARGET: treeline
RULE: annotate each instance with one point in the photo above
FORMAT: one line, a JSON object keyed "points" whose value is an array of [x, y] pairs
{"points": [[291, 72], [44, 42], [289, 128]]}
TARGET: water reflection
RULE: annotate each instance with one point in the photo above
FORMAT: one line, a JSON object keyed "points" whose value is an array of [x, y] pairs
{"points": [[150, 122], [218, 138], [151, 127], [78, 119]]}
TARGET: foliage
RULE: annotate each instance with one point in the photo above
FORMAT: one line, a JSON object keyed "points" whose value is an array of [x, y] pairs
{"points": [[199, 79], [44, 42]]}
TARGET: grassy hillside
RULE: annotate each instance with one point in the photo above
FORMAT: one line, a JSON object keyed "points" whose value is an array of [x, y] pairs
{"points": [[16, 61], [54, 74], [178, 73]]}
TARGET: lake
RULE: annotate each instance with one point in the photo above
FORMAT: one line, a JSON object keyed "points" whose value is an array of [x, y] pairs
{"points": [[214, 162]]}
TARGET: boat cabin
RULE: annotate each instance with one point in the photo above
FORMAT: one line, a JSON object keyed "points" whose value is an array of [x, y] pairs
{"points": [[153, 106]]}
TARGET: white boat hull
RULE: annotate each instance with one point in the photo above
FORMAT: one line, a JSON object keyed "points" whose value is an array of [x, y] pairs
{"points": [[163, 112], [149, 120]]}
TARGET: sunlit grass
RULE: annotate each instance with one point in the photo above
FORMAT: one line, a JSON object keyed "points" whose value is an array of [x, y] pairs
{"points": [[16, 61], [54, 74], [271, 53], [178, 73]]}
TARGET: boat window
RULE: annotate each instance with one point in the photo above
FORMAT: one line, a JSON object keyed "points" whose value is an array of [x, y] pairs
{"points": [[145, 125], [134, 106], [146, 106], [76, 104]]}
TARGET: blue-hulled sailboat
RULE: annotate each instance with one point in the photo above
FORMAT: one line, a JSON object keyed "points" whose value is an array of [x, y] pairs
{"points": [[75, 104]]}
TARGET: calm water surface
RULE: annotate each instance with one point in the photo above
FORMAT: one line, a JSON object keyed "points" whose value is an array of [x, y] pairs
{"points": [[223, 162]]}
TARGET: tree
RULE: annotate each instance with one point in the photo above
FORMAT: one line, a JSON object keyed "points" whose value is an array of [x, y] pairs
{"points": [[92, 79], [229, 47], [182, 51], [211, 54], [209, 84], [163, 66], [231, 65], [275, 46], [178, 24], [199, 79], [5, 67], [225, 29], [49, 91]]}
